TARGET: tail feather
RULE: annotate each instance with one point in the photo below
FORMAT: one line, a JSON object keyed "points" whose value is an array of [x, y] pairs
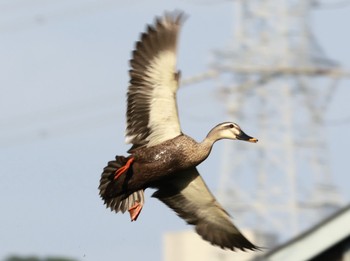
{"points": [[117, 200]]}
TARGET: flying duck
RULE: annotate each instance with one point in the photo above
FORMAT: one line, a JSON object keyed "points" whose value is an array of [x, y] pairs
{"points": [[161, 156]]}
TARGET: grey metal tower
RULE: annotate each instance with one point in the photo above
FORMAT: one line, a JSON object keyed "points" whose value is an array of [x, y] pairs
{"points": [[277, 83]]}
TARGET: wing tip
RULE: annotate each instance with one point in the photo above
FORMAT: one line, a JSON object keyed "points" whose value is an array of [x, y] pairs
{"points": [[225, 241], [176, 16]]}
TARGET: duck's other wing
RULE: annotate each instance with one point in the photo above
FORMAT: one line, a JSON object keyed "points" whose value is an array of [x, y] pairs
{"points": [[191, 199]]}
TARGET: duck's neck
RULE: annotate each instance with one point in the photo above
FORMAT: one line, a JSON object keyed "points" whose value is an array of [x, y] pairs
{"points": [[207, 144]]}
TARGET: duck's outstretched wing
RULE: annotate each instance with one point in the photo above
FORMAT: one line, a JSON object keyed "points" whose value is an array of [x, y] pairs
{"points": [[152, 115], [190, 198]]}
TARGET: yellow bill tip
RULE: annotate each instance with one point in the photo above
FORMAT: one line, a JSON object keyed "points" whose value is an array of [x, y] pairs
{"points": [[253, 140]]}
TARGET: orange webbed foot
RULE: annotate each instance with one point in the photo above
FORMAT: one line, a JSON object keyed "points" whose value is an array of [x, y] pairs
{"points": [[135, 211], [123, 169]]}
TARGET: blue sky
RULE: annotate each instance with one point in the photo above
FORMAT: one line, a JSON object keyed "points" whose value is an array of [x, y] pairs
{"points": [[63, 82]]}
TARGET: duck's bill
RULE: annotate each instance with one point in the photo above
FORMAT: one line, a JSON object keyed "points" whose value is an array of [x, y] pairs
{"points": [[245, 137]]}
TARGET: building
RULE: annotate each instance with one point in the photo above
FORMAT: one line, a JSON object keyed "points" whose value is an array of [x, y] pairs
{"points": [[327, 241]]}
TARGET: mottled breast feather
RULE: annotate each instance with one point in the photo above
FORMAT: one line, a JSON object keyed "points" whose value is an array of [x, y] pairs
{"points": [[152, 115]]}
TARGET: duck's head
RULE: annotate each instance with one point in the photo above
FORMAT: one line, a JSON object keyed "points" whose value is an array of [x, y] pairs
{"points": [[229, 130]]}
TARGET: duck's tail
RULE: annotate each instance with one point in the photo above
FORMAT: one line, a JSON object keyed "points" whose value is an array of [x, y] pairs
{"points": [[115, 199]]}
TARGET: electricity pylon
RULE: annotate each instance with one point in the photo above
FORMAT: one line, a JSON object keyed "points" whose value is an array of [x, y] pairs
{"points": [[277, 83]]}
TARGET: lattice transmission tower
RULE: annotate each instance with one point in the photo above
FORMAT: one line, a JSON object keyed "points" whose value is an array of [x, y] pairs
{"points": [[277, 84]]}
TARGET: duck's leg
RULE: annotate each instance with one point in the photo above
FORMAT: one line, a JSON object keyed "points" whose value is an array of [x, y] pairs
{"points": [[123, 169], [135, 210]]}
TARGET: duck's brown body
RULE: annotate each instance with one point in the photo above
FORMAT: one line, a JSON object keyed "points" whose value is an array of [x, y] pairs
{"points": [[168, 157], [154, 164]]}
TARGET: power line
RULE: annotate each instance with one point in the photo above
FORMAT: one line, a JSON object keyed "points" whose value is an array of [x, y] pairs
{"points": [[32, 13], [331, 5], [64, 119]]}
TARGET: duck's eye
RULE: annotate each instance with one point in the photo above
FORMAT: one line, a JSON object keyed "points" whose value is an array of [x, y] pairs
{"points": [[231, 126]]}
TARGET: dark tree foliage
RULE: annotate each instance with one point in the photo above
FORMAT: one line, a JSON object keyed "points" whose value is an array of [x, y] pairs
{"points": [[59, 259], [18, 258], [34, 258]]}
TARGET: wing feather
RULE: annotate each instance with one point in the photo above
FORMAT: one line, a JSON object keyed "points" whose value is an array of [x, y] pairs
{"points": [[191, 199], [152, 115]]}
